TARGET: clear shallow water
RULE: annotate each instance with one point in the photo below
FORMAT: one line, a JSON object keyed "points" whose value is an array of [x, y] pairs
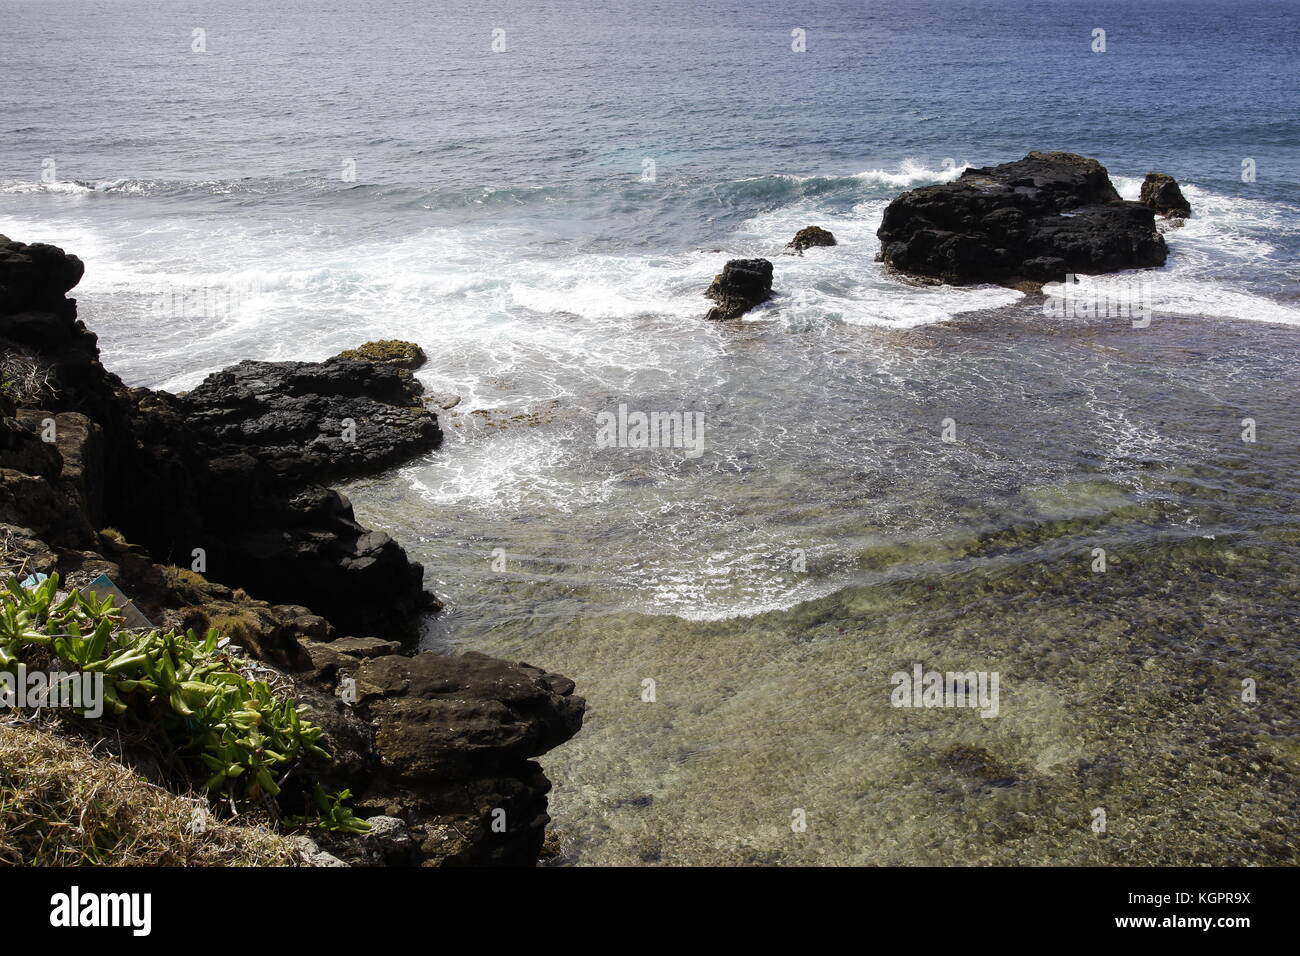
{"points": [[498, 217]]}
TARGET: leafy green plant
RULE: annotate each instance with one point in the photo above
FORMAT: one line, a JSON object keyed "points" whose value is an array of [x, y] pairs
{"points": [[230, 732], [334, 814]]}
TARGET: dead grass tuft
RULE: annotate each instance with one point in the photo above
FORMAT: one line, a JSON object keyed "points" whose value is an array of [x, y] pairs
{"points": [[25, 377], [62, 804]]}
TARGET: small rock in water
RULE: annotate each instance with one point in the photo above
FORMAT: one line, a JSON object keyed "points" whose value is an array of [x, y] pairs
{"points": [[1160, 191], [810, 236], [388, 352], [444, 400], [742, 284]]}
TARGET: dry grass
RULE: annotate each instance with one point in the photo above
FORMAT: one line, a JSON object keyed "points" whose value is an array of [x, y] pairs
{"points": [[242, 627], [24, 377], [182, 577], [62, 804], [19, 552]]}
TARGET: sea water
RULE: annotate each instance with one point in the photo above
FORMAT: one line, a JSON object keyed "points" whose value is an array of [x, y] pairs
{"points": [[892, 475]]}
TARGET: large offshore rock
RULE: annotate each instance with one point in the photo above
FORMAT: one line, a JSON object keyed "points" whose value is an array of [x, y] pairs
{"points": [[1034, 219]]}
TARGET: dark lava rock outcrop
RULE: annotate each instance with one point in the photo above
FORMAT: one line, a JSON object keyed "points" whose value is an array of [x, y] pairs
{"points": [[455, 737], [1034, 219], [810, 236], [36, 277], [742, 284], [440, 747], [1160, 191], [314, 419], [224, 481]]}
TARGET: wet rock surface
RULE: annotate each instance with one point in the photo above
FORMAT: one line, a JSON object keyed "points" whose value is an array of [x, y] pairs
{"points": [[1035, 219], [314, 419], [405, 355], [742, 284], [809, 237], [1161, 192]]}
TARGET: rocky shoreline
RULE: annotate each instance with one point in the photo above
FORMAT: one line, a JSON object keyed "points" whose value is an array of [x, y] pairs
{"points": [[208, 510]]}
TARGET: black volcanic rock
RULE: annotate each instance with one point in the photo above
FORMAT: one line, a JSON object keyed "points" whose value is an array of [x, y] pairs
{"points": [[810, 236], [315, 419], [453, 717], [227, 474], [742, 284], [1160, 191], [456, 736], [442, 744], [35, 277], [1034, 219]]}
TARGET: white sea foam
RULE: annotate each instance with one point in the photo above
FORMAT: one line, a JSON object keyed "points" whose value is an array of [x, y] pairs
{"points": [[844, 283], [908, 173], [1128, 187], [513, 329], [1225, 237], [20, 187], [1189, 296], [72, 187], [513, 470], [912, 173]]}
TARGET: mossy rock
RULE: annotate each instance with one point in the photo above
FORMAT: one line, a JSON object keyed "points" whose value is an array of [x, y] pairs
{"points": [[388, 352], [810, 236]]}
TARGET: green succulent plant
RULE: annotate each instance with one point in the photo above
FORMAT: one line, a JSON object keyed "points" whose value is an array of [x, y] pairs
{"points": [[333, 813], [234, 735]]}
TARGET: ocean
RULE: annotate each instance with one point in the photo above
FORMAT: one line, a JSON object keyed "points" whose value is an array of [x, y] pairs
{"points": [[539, 193]]}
